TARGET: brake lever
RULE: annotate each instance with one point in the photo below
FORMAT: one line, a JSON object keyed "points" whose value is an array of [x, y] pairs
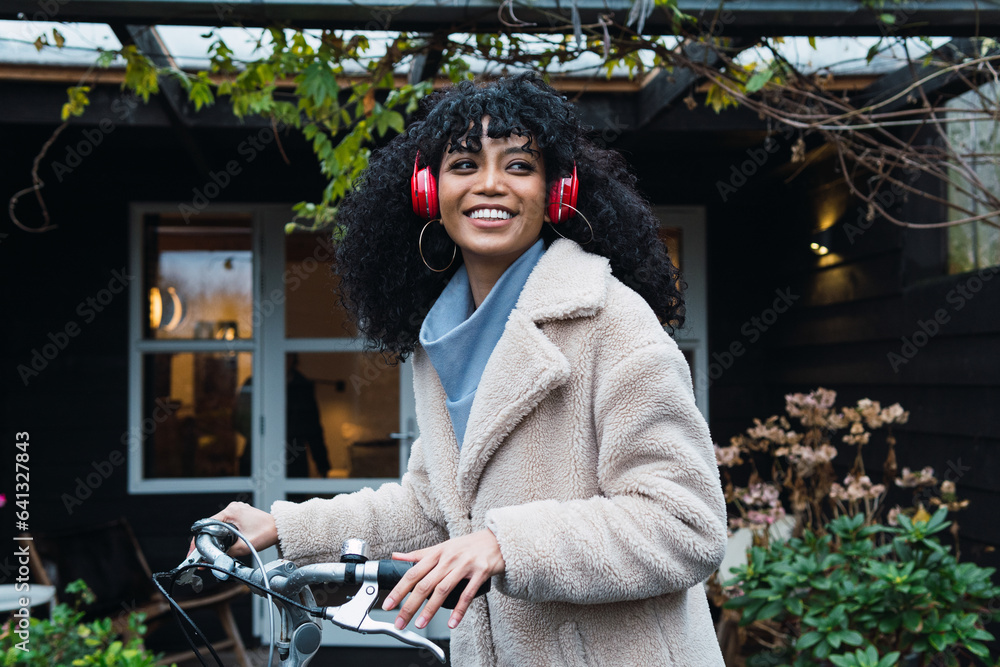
{"points": [[353, 615], [190, 577]]}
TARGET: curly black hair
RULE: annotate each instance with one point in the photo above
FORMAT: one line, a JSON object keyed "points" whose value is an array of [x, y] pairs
{"points": [[386, 286]]}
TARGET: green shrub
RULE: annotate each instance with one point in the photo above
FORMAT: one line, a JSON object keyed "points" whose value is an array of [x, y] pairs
{"points": [[863, 595], [66, 640]]}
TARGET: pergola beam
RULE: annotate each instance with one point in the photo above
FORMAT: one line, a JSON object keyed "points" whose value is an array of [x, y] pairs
{"points": [[748, 18], [172, 97], [664, 88], [893, 83]]}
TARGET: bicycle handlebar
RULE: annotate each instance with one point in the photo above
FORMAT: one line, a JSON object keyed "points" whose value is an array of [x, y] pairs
{"points": [[300, 633]]}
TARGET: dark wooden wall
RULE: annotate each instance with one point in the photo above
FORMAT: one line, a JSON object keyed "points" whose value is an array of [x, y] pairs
{"points": [[853, 308], [75, 409]]}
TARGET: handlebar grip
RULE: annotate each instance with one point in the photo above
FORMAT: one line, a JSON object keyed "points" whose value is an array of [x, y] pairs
{"points": [[223, 537], [391, 571]]}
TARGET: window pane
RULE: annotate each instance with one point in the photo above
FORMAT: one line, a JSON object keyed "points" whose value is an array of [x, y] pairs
{"points": [[961, 248], [671, 237], [988, 243], [312, 309], [195, 416], [340, 409], [198, 280]]}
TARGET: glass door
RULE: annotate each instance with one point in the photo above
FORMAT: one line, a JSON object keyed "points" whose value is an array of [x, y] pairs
{"points": [[336, 418]]}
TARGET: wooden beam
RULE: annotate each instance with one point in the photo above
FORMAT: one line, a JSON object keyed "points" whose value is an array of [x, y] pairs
{"points": [[748, 18], [664, 88], [893, 83], [79, 76], [172, 96]]}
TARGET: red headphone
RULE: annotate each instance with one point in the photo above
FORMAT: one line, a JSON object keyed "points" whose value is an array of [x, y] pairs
{"points": [[561, 204]]}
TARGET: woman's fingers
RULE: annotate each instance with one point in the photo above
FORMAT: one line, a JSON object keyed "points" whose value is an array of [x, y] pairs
{"points": [[464, 600], [413, 575], [439, 570], [257, 525], [419, 583]]}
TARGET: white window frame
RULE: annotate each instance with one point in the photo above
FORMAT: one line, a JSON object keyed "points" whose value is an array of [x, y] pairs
{"points": [[693, 336]]}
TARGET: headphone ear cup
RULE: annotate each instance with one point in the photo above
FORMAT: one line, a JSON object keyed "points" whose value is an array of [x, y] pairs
{"points": [[423, 191], [562, 198]]}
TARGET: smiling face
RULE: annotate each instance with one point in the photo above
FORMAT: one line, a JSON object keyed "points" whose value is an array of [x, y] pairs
{"points": [[493, 201]]}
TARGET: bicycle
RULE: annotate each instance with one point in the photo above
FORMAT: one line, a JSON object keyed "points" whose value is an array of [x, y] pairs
{"points": [[287, 587]]}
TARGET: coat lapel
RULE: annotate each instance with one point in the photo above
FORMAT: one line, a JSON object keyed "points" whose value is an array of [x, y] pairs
{"points": [[525, 365], [437, 437]]}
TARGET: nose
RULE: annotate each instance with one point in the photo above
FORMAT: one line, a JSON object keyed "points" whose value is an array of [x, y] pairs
{"points": [[492, 180]]}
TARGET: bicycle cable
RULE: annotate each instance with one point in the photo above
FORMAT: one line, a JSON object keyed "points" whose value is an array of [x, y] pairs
{"points": [[263, 575], [181, 614]]}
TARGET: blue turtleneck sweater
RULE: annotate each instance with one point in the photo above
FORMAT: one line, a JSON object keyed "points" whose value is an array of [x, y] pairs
{"points": [[459, 338]]}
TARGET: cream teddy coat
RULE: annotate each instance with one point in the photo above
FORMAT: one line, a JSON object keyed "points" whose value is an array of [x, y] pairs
{"points": [[587, 458]]}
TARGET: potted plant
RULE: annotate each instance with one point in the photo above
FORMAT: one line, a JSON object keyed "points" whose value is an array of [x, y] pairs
{"points": [[853, 585], [65, 639]]}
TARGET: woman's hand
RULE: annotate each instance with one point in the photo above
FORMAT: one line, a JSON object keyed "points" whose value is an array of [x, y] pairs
{"points": [[256, 524], [439, 569]]}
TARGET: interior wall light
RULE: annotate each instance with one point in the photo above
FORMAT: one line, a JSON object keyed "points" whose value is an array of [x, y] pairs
{"points": [[155, 308], [173, 308], [819, 249]]}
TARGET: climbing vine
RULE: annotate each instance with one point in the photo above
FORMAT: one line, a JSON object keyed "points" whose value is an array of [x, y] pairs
{"points": [[342, 90]]}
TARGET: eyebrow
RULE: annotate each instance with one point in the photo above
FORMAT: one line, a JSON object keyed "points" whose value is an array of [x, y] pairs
{"points": [[507, 151]]}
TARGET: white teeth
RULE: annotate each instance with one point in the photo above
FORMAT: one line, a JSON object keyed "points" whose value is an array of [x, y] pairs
{"points": [[490, 213]]}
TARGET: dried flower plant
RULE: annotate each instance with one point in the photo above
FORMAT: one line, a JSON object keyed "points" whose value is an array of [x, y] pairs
{"points": [[799, 447]]}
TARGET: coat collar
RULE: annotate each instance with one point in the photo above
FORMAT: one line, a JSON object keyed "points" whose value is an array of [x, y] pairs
{"points": [[523, 369], [567, 282]]}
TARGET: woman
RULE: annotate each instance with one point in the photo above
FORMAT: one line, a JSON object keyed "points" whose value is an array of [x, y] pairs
{"points": [[560, 449]]}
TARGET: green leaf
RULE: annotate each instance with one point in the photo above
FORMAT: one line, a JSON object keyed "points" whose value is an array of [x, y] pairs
{"points": [[794, 606], [318, 82], [201, 95], [978, 649], [911, 620], [872, 52], [771, 609], [759, 80], [889, 660], [890, 624], [737, 603], [812, 43], [852, 637], [982, 635], [807, 640], [78, 101], [395, 121]]}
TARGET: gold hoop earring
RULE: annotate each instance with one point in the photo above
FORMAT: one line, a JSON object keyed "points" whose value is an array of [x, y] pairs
{"points": [[584, 219], [420, 247]]}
